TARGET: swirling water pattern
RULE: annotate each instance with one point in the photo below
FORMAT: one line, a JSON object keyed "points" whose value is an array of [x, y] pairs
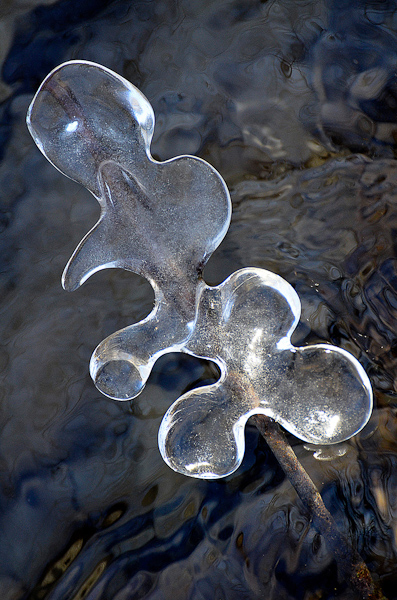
{"points": [[294, 103]]}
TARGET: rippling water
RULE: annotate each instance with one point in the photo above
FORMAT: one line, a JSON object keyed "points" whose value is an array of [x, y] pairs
{"points": [[294, 101]]}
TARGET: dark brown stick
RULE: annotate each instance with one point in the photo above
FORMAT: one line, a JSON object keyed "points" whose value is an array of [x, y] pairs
{"points": [[350, 563]]}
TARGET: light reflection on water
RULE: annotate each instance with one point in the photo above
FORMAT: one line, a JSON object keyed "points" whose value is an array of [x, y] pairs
{"points": [[294, 102]]}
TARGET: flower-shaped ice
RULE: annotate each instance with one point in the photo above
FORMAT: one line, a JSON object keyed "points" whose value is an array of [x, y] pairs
{"points": [[163, 220], [320, 393]]}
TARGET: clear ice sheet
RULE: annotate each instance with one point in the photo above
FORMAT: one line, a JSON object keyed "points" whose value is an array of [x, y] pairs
{"points": [[163, 220]]}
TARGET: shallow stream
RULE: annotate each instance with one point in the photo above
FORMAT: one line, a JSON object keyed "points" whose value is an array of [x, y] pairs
{"points": [[295, 103]]}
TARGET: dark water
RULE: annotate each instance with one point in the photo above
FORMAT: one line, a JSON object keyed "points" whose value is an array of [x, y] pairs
{"points": [[295, 102]]}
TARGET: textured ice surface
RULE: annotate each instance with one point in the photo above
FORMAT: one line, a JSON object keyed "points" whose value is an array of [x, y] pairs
{"points": [[163, 220]]}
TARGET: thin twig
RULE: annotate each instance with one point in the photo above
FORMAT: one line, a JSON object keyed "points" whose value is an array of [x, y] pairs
{"points": [[350, 563]]}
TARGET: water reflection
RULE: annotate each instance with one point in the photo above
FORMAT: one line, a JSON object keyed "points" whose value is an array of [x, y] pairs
{"points": [[354, 78], [281, 97]]}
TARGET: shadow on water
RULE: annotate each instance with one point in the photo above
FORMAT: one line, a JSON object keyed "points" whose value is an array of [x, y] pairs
{"points": [[295, 103]]}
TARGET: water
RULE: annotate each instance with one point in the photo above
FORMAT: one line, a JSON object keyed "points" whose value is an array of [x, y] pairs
{"points": [[294, 102]]}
